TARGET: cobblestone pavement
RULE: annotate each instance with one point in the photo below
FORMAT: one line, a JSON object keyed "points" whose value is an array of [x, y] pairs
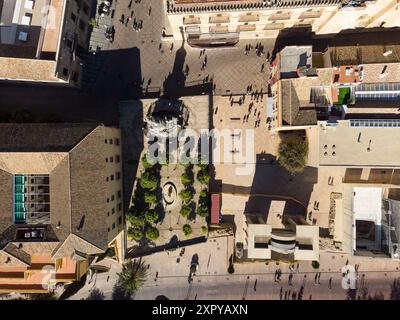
{"points": [[229, 68]]}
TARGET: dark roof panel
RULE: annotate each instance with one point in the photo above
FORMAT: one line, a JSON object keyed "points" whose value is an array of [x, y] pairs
{"points": [[42, 137]]}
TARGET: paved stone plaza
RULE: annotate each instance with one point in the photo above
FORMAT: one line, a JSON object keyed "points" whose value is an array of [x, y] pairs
{"points": [[133, 115], [160, 59]]}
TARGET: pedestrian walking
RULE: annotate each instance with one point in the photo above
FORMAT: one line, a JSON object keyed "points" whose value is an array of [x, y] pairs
{"points": [[290, 281], [330, 283], [255, 285], [279, 274]]}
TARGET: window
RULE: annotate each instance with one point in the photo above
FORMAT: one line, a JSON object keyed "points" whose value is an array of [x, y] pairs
{"points": [[117, 158], [75, 76], [107, 179], [118, 175], [112, 198], [106, 159], [119, 220], [119, 194], [108, 200], [112, 177], [68, 43], [119, 206], [117, 141], [26, 19], [105, 140], [111, 159], [112, 210], [82, 25], [65, 72], [73, 17], [110, 141], [108, 214], [108, 229], [86, 8], [23, 36], [113, 225], [29, 4]]}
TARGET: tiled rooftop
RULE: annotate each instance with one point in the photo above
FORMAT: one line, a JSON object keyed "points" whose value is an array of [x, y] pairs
{"points": [[381, 73], [23, 69]]}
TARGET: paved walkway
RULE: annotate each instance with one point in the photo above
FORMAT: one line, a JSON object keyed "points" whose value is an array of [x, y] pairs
{"points": [[212, 281]]}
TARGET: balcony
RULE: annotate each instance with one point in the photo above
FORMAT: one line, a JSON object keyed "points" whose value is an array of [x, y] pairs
{"points": [[311, 14], [219, 29], [249, 17], [246, 27], [191, 20], [279, 16], [274, 26], [219, 18]]}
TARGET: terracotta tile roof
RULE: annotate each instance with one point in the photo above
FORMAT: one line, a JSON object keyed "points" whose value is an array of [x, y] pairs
{"points": [[35, 137], [297, 104], [18, 253], [77, 191], [363, 54]]}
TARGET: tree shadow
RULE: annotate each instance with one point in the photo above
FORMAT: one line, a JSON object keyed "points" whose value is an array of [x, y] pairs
{"points": [[96, 294], [118, 293]]}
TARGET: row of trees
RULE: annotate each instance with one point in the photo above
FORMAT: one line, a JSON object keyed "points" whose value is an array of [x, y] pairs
{"points": [[143, 219]]}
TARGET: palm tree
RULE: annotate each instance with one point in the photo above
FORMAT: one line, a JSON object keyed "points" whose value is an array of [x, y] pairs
{"points": [[132, 276]]}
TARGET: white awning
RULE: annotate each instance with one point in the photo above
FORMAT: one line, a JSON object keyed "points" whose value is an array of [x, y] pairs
{"points": [[367, 204]]}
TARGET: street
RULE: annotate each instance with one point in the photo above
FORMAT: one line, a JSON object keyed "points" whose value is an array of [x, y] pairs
{"points": [[251, 280]]}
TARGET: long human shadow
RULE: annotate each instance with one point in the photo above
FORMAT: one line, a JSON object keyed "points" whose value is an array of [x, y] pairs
{"points": [[175, 85]]}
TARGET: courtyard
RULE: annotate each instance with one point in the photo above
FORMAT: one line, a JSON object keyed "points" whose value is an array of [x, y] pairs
{"points": [[179, 196]]}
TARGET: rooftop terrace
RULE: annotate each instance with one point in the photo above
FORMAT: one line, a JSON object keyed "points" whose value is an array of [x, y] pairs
{"points": [[29, 39], [360, 143]]}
